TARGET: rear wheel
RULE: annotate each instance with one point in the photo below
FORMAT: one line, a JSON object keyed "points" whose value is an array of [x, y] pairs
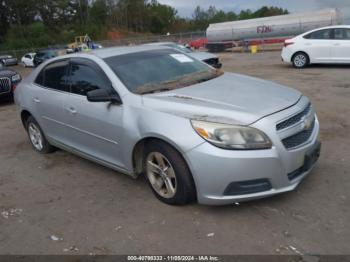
{"points": [[37, 137], [300, 60], [168, 175]]}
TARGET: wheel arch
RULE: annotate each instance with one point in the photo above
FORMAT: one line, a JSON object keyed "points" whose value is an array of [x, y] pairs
{"points": [[139, 147], [25, 114]]}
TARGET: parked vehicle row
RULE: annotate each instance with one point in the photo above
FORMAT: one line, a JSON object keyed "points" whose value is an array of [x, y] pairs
{"points": [[196, 133]]}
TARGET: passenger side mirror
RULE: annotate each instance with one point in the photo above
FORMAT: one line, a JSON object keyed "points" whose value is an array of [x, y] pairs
{"points": [[102, 95]]}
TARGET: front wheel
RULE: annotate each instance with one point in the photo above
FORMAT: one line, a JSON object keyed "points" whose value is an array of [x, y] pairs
{"points": [[300, 60], [168, 175]]}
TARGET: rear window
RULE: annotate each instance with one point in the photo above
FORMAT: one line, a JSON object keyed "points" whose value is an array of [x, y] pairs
{"points": [[342, 34]]}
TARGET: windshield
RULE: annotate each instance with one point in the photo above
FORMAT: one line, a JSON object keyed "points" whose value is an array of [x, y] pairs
{"points": [[159, 70]]}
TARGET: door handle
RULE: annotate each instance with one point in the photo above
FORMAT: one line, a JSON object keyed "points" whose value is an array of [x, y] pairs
{"points": [[36, 100], [72, 110], [336, 44]]}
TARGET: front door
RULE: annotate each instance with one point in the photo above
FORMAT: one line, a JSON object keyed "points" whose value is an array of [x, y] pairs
{"points": [[96, 129]]}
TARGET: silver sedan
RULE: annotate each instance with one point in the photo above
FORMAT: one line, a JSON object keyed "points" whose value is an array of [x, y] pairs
{"points": [[196, 133]]}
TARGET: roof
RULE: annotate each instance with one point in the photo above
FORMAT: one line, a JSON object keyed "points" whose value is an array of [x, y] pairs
{"points": [[114, 51]]}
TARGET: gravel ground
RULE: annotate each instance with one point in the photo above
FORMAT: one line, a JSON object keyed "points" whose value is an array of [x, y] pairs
{"points": [[63, 204]]}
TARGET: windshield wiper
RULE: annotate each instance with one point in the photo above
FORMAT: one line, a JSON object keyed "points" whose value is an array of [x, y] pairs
{"points": [[158, 90], [182, 81]]}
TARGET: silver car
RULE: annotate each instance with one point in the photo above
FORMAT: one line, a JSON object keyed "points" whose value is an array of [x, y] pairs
{"points": [[196, 133]]}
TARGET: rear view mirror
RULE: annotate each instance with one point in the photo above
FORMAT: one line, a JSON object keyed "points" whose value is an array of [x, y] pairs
{"points": [[102, 95]]}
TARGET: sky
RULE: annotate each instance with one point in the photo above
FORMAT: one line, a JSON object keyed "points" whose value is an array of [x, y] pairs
{"points": [[185, 7]]}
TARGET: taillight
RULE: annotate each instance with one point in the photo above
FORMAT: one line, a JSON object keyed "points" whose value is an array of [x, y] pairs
{"points": [[13, 87], [288, 43]]}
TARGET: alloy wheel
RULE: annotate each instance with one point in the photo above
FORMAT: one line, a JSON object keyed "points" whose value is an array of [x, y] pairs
{"points": [[161, 175], [300, 60], [35, 136]]}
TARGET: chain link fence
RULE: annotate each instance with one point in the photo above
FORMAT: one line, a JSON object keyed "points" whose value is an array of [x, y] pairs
{"points": [[179, 38], [248, 35]]}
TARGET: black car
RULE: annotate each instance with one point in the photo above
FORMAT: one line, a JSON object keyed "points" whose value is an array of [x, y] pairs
{"points": [[43, 55], [8, 80]]}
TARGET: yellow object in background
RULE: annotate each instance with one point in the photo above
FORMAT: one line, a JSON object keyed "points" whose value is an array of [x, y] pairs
{"points": [[254, 49]]}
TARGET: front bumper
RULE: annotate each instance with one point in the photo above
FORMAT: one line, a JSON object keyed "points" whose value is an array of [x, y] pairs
{"points": [[214, 169]]}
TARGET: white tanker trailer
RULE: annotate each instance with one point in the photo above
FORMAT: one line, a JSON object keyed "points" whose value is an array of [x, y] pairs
{"points": [[226, 35]]}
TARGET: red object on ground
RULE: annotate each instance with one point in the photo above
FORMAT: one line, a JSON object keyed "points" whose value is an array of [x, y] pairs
{"points": [[198, 43]]}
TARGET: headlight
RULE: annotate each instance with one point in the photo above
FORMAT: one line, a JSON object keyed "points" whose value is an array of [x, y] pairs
{"points": [[232, 137], [16, 78]]}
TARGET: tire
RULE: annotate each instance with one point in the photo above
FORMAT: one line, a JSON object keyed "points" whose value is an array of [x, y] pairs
{"points": [[177, 174], [37, 137], [300, 60]]}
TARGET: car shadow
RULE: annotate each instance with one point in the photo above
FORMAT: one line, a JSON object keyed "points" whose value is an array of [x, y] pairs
{"points": [[330, 66]]}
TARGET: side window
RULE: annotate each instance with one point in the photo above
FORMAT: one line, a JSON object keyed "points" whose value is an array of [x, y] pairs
{"points": [[321, 34], [40, 78], [342, 34], [85, 77], [347, 34], [54, 76]]}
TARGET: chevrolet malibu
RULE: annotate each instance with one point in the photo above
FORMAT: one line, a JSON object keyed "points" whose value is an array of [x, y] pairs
{"points": [[196, 133]]}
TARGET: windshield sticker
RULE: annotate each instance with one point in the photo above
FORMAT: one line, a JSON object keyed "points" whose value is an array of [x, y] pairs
{"points": [[182, 58]]}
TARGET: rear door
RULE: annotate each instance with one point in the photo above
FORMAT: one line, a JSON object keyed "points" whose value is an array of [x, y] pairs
{"points": [[96, 129], [341, 45], [318, 46], [48, 92]]}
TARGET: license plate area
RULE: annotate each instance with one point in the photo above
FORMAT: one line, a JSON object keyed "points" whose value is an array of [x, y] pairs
{"points": [[311, 156]]}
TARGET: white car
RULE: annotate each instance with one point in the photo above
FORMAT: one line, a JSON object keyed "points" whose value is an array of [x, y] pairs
{"points": [[327, 45], [28, 59]]}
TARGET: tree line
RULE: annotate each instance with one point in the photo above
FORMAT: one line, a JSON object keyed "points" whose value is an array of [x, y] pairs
{"points": [[33, 23]]}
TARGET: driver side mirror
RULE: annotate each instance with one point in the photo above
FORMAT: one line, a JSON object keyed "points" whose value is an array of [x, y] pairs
{"points": [[102, 95]]}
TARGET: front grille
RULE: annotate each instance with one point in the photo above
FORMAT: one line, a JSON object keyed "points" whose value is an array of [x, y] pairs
{"points": [[299, 138], [5, 85], [294, 119]]}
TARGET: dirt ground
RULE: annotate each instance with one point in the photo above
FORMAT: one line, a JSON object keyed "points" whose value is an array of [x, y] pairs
{"points": [[63, 204]]}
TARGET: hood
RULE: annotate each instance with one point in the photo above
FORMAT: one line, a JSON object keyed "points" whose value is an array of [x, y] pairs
{"points": [[7, 72], [202, 55], [230, 98]]}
